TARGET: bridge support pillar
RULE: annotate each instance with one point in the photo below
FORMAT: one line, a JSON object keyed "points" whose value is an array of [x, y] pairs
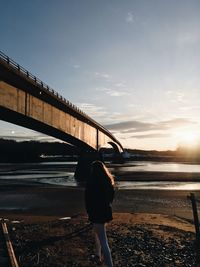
{"points": [[84, 164]]}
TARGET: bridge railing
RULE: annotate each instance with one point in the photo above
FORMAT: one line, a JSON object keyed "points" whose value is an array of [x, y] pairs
{"points": [[37, 81], [44, 86]]}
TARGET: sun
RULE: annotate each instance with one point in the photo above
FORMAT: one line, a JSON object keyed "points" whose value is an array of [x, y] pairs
{"points": [[188, 138]]}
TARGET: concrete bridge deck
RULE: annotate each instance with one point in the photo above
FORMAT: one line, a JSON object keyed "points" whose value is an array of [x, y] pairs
{"points": [[26, 101]]}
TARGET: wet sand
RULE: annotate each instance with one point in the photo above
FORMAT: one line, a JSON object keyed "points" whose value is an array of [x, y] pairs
{"points": [[56, 201], [157, 176]]}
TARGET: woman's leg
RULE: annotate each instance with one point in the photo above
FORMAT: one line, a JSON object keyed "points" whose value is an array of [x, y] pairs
{"points": [[98, 246], [100, 231]]}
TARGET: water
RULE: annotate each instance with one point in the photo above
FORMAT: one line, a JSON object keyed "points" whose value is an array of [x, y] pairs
{"points": [[150, 166], [62, 173], [160, 185], [54, 173]]}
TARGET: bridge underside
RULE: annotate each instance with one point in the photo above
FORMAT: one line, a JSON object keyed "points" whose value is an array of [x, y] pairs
{"points": [[30, 123]]}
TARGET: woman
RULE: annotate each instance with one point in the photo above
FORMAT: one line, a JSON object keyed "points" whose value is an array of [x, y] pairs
{"points": [[99, 194]]}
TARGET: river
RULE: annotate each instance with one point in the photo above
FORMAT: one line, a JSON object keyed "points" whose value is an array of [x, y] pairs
{"points": [[62, 173]]}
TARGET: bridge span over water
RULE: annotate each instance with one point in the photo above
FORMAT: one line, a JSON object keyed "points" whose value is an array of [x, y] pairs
{"points": [[26, 101]]}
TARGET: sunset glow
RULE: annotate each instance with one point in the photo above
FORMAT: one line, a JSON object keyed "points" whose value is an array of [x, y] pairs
{"points": [[132, 66], [188, 138]]}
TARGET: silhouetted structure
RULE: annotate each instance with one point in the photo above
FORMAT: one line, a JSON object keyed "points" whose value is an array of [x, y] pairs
{"points": [[27, 101]]}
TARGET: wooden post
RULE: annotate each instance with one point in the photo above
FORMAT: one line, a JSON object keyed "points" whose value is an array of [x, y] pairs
{"points": [[196, 222], [195, 214], [11, 252]]}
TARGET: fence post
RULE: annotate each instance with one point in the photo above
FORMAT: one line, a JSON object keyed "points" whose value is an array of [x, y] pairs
{"points": [[196, 222], [195, 214]]}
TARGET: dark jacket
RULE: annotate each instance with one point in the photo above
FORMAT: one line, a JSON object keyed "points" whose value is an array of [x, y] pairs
{"points": [[98, 200]]}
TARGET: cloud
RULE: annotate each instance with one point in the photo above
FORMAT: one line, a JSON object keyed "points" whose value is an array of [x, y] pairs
{"points": [[104, 76], [186, 108], [28, 137], [131, 126], [116, 93], [138, 126], [180, 97], [110, 86], [120, 84], [176, 123], [152, 135], [129, 18], [112, 92], [92, 110], [176, 96]]}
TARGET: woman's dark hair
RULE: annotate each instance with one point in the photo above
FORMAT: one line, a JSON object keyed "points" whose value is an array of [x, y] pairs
{"points": [[100, 171]]}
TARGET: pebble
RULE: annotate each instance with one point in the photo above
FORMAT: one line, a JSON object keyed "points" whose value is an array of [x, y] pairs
{"points": [[153, 250], [131, 245]]}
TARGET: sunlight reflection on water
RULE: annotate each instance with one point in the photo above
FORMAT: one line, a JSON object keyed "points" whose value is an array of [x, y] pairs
{"points": [[158, 167], [161, 185]]}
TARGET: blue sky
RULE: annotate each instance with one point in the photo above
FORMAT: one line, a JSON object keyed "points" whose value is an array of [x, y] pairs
{"points": [[133, 66]]}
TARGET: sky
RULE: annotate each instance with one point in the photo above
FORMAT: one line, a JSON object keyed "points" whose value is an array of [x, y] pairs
{"points": [[132, 65]]}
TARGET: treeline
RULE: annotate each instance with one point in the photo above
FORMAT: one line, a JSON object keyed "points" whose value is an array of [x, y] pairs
{"points": [[180, 154], [30, 151]]}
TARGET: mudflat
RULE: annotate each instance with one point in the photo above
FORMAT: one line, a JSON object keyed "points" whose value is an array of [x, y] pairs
{"points": [[150, 227]]}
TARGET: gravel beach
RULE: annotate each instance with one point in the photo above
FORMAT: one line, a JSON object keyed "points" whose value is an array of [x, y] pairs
{"points": [[135, 240]]}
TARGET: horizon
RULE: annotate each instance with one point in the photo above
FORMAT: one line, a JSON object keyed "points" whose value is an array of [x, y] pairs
{"points": [[181, 148], [131, 66]]}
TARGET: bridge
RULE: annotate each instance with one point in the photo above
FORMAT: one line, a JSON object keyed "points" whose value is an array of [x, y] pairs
{"points": [[27, 101]]}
